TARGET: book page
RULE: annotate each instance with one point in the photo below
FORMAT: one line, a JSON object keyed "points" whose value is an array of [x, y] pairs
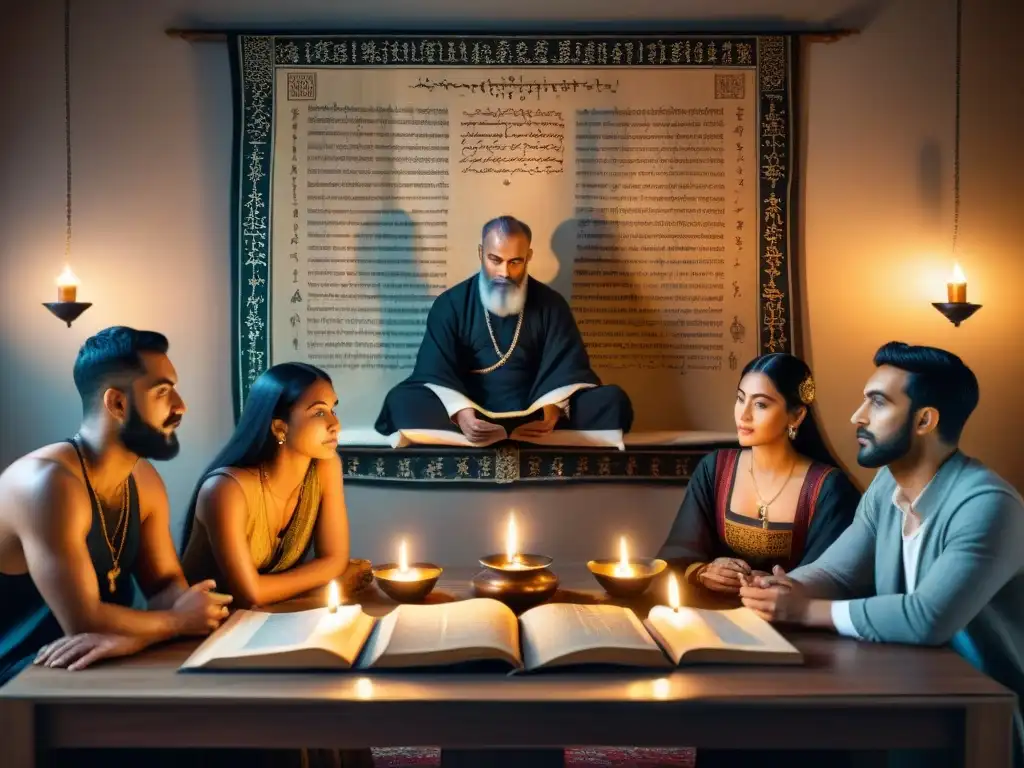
{"points": [[601, 438], [448, 633], [736, 635], [566, 633], [257, 639], [455, 401], [406, 437]]}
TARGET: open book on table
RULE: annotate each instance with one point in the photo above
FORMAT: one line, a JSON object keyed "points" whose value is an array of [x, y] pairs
{"points": [[485, 630]]}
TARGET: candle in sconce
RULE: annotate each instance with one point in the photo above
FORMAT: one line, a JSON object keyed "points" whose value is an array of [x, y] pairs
{"points": [[956, 288], [333, 597], [67, 285], [623, 569]]}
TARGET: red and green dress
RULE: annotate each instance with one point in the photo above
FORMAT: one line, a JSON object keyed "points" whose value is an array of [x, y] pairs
{"points": [[706, 528]]}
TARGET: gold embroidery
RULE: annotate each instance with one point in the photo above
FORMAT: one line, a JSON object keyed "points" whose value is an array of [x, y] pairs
{"points": [[506, 468], [757, 543]]}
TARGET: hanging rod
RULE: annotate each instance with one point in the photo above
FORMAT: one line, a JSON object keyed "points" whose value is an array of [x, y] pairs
{"points": [[220, 35]]}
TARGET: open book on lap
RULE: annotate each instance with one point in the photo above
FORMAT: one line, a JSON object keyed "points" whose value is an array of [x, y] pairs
{"points": [[557, 438], [485, 630]]}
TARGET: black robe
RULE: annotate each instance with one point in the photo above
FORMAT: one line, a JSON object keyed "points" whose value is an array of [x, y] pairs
{"points": [[549, 354]]}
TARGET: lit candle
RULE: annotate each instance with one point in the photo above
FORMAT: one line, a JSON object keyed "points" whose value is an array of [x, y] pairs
{"points": [[623, 569], [67, 285], [673, 593], [404, 572], [512, 560], [333, 597], [956, 288]]}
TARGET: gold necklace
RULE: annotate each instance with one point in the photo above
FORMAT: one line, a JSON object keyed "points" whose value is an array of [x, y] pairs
{"points": [[115, 560], [264, 486], [279, 507], [122, 524], [502, 358], [762, 506]]}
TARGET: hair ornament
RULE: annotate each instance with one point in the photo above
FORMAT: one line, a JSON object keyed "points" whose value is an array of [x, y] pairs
{"points": [[806, 390]]}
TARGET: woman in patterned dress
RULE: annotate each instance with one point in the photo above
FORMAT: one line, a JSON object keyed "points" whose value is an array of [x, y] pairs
{"points": [[780, 499]]}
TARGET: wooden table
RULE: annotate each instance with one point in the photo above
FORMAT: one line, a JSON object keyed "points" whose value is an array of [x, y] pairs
{"points": [[848, 695]]}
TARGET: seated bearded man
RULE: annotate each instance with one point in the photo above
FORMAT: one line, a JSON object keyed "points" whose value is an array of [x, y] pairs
{"points": [[502, 356]]}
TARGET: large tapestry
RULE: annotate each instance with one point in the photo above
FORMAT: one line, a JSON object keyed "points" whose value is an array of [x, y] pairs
{"points": [[656, 173]]}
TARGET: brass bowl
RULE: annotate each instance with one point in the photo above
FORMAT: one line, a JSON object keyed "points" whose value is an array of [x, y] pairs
{"points": [[402, 591], [626, 586], [519, 589]]}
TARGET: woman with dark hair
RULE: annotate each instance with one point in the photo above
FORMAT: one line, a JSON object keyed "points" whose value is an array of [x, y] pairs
{"points": [[273, 492], [779, 500]]}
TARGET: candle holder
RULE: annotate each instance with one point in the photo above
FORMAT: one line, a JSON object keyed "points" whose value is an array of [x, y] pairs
{"points": [[408, 586], [631, 583], [68, 311], [520, 583], [956, 311]]}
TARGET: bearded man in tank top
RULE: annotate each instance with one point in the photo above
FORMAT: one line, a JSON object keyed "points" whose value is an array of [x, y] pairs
{"points": [[86, 520]]}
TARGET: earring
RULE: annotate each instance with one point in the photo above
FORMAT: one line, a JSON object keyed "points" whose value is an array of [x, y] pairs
{"points": [[280, 441], [791, 431]]}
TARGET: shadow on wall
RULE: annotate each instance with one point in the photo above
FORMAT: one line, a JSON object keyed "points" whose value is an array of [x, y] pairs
{"points": [[564, 247], [399, 264], [629, 339], [40, 404]]}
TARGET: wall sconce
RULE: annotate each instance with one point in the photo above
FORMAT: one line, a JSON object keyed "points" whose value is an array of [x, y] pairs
{"points": [[66, 307], [956, 309]]}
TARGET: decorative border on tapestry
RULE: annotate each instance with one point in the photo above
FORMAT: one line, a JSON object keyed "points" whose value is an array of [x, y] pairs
{"points": [[511, 462], [254, 59]]}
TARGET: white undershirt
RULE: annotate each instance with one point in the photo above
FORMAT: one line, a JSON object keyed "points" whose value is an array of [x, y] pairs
{"points": [[911, 555]]}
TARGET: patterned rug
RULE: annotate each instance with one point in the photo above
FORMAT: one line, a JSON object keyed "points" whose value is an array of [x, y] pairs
{"points": [[575, 757]]}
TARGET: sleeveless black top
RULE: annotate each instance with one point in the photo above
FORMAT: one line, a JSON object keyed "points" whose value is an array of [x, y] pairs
{"points": [[26, 622]]}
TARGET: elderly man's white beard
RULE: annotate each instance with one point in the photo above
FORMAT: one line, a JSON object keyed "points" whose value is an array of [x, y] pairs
{"points": [[503, 300]]}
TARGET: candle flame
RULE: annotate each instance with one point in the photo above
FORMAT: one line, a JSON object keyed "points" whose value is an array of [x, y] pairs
{"points": [[673, 593], [958, 275], [403, 557], [333, 597], [67, 277], [511, 540], [623, 569]]}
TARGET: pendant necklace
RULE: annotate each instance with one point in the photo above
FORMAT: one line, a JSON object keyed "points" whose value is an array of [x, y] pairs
{"points": [[762, 505], [122, 525]]}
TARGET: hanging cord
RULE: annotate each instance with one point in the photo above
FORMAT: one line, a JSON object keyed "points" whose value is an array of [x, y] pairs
{"points": [[956, 144], [67, 119]]}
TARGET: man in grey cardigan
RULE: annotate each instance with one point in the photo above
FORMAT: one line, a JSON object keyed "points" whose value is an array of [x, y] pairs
{"points": [[935, 554]]}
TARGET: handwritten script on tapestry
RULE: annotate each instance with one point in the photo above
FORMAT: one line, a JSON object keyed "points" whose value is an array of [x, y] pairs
{"points": [[655, 174]]}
